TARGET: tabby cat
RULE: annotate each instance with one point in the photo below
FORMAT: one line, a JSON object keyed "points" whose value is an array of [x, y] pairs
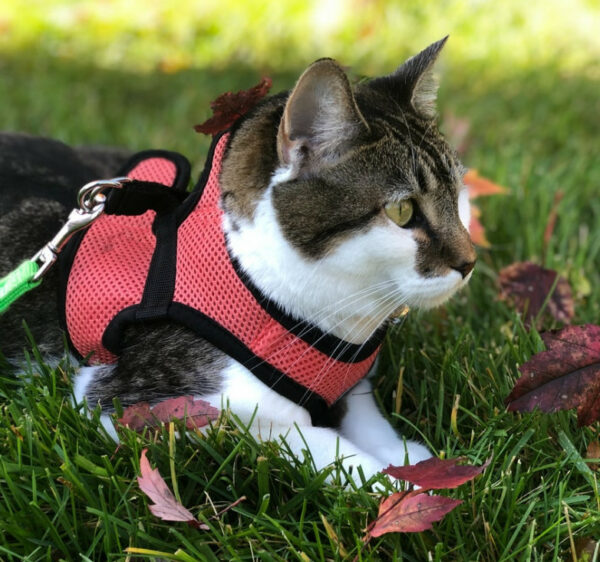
{"points": [[340, 206]]}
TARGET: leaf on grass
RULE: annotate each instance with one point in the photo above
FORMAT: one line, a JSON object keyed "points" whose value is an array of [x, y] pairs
{"points": [[229, 107], [402, 513], [434, 473], [476, 229], [593, 452], [197, 413], [165, 506], [138, 416], [479, 186], [528, 285], [566, 375]]}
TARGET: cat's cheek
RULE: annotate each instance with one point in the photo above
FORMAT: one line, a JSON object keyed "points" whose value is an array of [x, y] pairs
{"points": [[464, 208]]}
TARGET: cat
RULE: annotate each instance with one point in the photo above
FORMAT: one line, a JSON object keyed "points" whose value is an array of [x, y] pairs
{"points": [[340, 205]]}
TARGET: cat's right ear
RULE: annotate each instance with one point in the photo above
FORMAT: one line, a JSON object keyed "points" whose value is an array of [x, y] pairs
{"points": [[320, 120], [413, 82]]}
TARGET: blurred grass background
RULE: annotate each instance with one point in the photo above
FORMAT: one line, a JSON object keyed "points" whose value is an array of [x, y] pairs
{"points": [[523, 77]]}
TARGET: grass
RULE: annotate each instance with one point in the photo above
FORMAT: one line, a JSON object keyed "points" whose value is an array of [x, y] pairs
{"points": [[67, 492]]}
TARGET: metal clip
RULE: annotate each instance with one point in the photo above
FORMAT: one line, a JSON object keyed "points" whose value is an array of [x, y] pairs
{"points": [[91, 201]]}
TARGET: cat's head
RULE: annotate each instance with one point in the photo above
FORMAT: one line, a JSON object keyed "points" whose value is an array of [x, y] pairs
{"points": [[343, 205]]}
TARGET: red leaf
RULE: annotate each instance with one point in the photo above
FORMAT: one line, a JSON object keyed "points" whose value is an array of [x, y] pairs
{"points": [[527, 285], [593, 452], [401, 513], [480, 187], [197, 413], [566, 375], [165, 506], [476, 229], [589, 408], [228, 107], [137, 416], [434, 473]]}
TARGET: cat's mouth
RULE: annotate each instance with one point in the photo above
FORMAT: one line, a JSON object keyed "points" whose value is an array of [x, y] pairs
{"points": [[426, 293]]}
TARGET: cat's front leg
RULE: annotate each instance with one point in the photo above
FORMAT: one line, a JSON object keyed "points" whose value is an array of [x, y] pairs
{"points": [[364, 425], [324, 446]]}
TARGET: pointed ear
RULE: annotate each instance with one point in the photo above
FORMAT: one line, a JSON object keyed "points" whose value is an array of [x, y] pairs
{"points": [[320, 119], [413, 82]]}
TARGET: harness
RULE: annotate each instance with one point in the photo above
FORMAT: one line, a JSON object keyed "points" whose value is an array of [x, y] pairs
{"points": [[160, 253]]}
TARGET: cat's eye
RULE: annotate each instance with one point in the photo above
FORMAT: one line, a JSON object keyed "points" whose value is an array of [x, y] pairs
{"points": [[400, 212]]}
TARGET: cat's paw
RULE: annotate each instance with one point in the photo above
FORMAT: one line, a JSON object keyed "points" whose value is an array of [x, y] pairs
{"points": [[406, 452]]}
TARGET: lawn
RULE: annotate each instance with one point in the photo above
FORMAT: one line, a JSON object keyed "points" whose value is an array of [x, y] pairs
{"points": [[526, 80]]}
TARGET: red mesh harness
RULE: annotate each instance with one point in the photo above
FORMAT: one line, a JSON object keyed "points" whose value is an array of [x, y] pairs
{"points": [[160, 253]]}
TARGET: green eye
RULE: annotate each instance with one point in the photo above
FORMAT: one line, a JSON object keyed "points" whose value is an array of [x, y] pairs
{"points": [[401, 212]]}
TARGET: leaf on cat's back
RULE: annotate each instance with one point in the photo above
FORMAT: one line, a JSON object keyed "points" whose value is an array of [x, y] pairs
{"points": [[165, 506], [566, 375], [528, 287], [197, 413], [229, 107], [435, 473], [407, 513]]}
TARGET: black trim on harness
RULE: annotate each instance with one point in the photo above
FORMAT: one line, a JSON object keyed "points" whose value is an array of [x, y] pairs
{"points": [[192, 200], [67, 255], [207, 328], [182, 166], [136, 197], [160, 282], [326, 343]]}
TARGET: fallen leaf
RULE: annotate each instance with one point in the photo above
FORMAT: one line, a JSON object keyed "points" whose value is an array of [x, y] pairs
{"points": [[434, 473], [585, 549], [138, 416], [476, 229], [588, 410], [229, 107], [593, 452], [480, 187], [165, 506], [566, 375], [528, 285], [197, 413], [402, 513]]}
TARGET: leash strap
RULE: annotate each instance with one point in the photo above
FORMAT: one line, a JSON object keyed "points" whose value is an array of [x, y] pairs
{"points": [[17, 283], [29, 274]]}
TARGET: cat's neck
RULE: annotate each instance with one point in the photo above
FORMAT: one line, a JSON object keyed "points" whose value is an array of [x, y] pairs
{"points": [[331, 293]]}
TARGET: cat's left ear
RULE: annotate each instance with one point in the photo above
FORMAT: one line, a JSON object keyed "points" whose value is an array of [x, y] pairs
{"points": [[321, 120], [413, 82]]}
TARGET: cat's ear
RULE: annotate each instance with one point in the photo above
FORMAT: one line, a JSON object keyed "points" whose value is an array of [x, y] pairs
{"points": [[413, 82], [320, 120]]}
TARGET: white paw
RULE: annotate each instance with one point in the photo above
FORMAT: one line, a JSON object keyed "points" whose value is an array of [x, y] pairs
{"points": [[405, 452]]}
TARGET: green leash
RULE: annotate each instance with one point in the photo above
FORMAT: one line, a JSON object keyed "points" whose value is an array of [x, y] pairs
{"points": [[30, 273], [17, 283]]}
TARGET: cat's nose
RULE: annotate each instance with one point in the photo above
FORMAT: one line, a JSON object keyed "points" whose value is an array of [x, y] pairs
{"points": [[464, 268]]}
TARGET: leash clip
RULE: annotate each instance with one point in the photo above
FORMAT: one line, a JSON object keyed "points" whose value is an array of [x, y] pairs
{"points": [[91, 199]]}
